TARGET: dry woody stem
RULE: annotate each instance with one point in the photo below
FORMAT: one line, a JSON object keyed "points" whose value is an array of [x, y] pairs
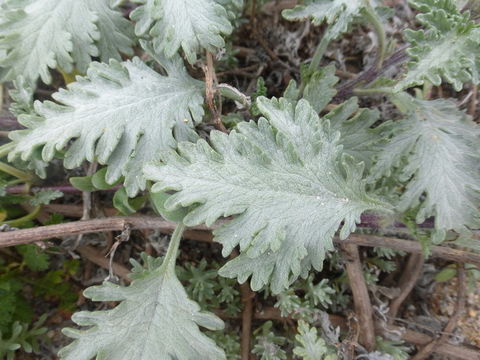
{"points": [[28, 236], [361, 298]]}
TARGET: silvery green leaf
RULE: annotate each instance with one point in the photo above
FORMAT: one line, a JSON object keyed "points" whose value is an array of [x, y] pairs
{"points": [[447, 49], [44, 197], [22, 97], [234, 8], [191, 25], [121, 115], [435, 149], [320, 88], [339, 14], [155, 320], [38, 35], [286, 178], [310, 346], [358, 138]]}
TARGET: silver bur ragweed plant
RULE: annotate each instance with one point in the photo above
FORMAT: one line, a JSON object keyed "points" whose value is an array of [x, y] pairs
{"points": [[279, 189]]}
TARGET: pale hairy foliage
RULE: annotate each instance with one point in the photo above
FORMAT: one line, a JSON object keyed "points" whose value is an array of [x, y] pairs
{"points": [[38, 35], [120, 114], [447, 48], [436, 150], [155, 320], [339, 14], [191, 25], [289, 164]]}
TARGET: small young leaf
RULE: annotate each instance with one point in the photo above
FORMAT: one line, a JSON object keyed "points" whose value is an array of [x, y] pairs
{"points": [[396, 349], [35, 259], [45, 197], [158, 199], [446, 274], [320, 88], [268, 344], [83, 183], [310, 345], [124, 204], [99, 182], [359, 140]]}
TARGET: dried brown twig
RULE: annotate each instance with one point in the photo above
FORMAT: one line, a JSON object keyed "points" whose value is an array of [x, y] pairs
{"points": [[211, 91], [428, 349], [407, 282], [247, 316], [361, 299], [202, 233]]}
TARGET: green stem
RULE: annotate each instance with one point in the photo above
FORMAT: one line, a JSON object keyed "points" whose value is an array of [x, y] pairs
{"points": [[15, 182], [171, 256], [316, 59], [319, 52], [15, 172], [20, 221], [374, 91], [234, 94], [5, 149], [373, 18]]}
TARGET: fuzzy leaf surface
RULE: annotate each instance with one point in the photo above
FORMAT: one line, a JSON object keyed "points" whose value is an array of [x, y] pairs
{"points": [[447, 49], [287, 179], [339, 14], [203, 22], [38, 35], [436, 150], [155, 320], [121, 114], [358, 138], [354, 124], [310, 346], [320, 88]]}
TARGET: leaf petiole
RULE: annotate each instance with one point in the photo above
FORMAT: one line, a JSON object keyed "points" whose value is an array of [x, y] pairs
{"points": [[30, 216], [171, 256], [5, 149], [15, 172], [373, 18]]}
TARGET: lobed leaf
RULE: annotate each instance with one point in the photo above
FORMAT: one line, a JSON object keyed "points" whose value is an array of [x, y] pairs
{"points": [[310, 346], [59, 34], [448, 48], [121, 114], [339, 14], [320, 88], [201, 26], [287, 179], [436, 150], [357, 136], [155, 320]]}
